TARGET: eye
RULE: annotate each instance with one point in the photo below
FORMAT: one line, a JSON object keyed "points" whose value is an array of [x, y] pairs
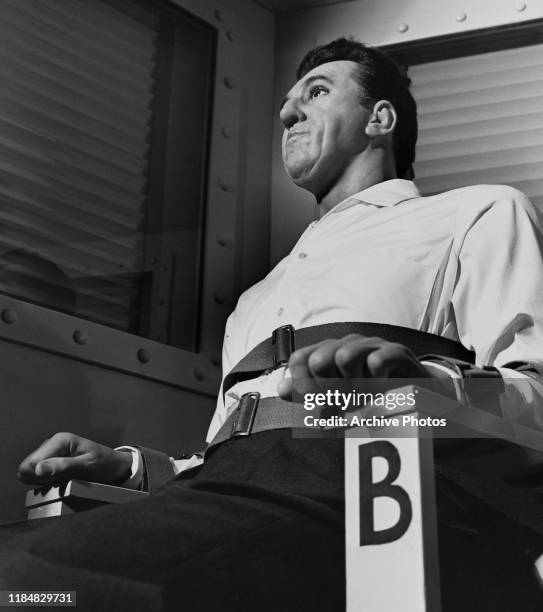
{"points": [[316, 91]]}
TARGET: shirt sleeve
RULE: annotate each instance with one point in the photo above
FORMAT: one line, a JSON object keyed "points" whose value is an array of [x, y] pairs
{"points": [[497, 299], [180, 465], [228, 362]]}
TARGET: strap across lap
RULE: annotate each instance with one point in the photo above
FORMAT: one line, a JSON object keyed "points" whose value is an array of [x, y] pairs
{"points": [[263, 356]]}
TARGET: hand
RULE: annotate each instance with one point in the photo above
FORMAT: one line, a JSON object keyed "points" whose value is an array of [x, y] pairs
{"points": [[65, 456], [357, 357]]}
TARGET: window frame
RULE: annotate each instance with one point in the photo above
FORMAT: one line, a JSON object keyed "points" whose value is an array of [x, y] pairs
{"points": [[71, 336], [451, 46]]}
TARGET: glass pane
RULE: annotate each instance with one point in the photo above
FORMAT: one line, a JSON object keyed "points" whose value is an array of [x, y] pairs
{"points": [[103, 154]]}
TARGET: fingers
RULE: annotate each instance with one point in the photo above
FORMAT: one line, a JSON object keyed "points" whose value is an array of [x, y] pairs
{"points": [[64, 468], [66, 456], [352, 355], [321, 360], [285, 388], [309, 364], [392, 360], [348, 358], [59, 445], [342, 358]]}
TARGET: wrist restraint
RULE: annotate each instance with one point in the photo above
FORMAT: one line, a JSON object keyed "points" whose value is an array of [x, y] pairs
{"points": [[475, 386]]}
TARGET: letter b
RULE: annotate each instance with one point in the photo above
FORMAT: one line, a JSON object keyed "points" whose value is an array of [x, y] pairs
{"points": [[369, 490]]}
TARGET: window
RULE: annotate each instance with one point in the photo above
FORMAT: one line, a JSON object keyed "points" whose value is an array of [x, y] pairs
{"points": [[481, 121], [479, 98], [105, 109]]}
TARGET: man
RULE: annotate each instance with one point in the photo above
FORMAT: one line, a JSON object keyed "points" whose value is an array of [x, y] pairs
{"points": [[259, 526]]}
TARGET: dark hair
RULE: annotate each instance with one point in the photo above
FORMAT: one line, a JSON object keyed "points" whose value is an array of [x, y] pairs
{"points": [[380, 78]]}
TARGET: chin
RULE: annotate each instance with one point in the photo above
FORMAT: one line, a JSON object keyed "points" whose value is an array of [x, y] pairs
{"points": [[300, 179], [299, 174], [308, 179]]}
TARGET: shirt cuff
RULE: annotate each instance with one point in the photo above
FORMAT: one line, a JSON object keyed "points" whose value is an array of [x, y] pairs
{"points": [[180, 465], [135, 479]]}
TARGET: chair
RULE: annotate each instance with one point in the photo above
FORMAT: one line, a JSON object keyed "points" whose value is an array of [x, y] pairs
{"points": [[75, 496], [391, 526]]}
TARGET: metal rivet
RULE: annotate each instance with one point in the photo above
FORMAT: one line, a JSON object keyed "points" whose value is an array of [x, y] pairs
{"points": [[219, 298], [520, 6], [226, 132], [199, 374], [230, 35], [80, 337], [218, 15], [403, 27], [461, 17], [9, 316], [143, 355], [224, 185], [228, 82], [215, 360], [224, 242]]}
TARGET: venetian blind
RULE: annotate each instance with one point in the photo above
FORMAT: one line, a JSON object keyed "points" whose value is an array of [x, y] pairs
{"points": [[481, 121], [75, 115]]}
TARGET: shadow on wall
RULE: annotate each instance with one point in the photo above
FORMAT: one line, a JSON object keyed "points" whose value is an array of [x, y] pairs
{"points": [[27, 275]]}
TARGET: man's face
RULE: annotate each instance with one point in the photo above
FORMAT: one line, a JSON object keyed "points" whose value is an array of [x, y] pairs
{"points": [[324, 125]]}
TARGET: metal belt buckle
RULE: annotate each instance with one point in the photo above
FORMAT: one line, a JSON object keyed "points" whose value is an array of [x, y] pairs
{"points": [[243, 425], [283, 344]]}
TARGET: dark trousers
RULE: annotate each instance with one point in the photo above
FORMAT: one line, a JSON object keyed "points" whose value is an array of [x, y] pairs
{"points": [[260, 527]]}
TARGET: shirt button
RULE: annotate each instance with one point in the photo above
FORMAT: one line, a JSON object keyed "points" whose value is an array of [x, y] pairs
{"points": [[302, 255], [280, 312]]}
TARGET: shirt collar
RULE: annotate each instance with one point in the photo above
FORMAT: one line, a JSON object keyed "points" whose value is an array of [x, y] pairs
{"points": [[388, 193]]}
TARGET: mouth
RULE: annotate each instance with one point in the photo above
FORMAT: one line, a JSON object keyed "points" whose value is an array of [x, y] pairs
{"points": [[294, 134]]}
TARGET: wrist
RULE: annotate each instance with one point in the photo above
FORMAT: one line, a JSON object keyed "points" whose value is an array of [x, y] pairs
{"points": [[125, 461], [135, 476]]}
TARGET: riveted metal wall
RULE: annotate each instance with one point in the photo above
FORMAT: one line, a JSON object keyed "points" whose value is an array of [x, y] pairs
{"points": [[61, 373]]}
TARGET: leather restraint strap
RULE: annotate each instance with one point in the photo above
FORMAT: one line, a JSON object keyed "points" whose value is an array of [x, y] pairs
{"points": [[254, 414], [275, 350]]}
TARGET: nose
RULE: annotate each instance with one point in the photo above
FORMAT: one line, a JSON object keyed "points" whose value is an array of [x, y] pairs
{"points": [[291, 113]]}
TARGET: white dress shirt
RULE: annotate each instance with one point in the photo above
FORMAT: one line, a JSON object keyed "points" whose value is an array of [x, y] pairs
{"points": [[466, 264]]}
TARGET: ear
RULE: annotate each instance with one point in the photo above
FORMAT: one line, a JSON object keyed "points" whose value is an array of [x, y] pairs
{"points": [[383, 119]]}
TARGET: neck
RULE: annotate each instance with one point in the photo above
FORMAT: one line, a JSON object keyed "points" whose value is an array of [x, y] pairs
{"points": [[357, 177]]}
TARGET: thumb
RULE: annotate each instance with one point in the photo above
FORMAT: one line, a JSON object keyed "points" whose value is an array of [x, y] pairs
{"points": [[285, 388], [44, 468], [63, 468]]}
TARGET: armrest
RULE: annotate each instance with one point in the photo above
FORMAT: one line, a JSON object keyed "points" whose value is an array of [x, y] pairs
{"points": [[75, 496]]}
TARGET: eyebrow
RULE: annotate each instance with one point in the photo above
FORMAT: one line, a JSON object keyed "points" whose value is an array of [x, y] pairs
{"points": [[308, 83]]}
